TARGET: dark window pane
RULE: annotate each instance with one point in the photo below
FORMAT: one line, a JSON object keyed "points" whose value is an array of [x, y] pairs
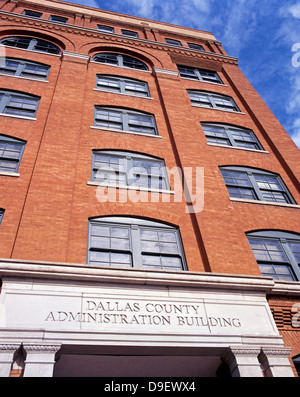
{"points": [[30, 13], [104, 28], [129, 33], [19, 42], [133, 63], [106, 58], [173, 42], [278, 272], [57, 18], [295, 248], [196, 46]]}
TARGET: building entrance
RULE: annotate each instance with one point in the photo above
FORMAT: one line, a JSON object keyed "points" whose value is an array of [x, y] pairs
{"points": [[137, 362]]}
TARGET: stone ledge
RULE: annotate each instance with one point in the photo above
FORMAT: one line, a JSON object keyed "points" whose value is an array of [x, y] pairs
{"points": [[91, 273]]}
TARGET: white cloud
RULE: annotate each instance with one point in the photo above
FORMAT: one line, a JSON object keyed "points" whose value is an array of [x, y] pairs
{"points": [[295, 10], [296, 132]]}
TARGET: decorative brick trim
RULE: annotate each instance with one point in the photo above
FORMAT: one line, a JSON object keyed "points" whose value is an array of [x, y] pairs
{"points": [[52, 27]]}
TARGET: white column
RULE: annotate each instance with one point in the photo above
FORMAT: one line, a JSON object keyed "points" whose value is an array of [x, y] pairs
{"points": [[40, 360], [275, 362], [7, 352], [243, 361]]}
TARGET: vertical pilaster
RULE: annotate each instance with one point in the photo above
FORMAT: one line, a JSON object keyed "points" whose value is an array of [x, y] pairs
{"points": [[7, 352], [275, 362], [40, 360], [243, 361]]}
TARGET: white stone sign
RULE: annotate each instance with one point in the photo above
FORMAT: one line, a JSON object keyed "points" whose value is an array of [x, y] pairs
{"points": [[124, 312]]}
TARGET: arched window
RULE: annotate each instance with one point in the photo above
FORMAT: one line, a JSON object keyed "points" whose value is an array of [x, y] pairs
{"points": [[18, 103], [229, 135], [31, 43], [125, 61], [11, 152], [212, 100], [125, 120], [129, 169], [134, 242], [277, 253], [254, 184], [123, 85], [24, 68]]}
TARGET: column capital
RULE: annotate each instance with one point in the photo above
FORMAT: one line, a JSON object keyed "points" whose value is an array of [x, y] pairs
{"points": [[40, 359], [275, 362], [75, 56], [167, 72], [231, 353], [243, 361], [269, 351], [43, 348], [9, 347]]}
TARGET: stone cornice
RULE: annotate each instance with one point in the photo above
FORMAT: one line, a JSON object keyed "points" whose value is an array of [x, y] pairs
{"points": [[51, 27], [117, 18], [89, 273]]}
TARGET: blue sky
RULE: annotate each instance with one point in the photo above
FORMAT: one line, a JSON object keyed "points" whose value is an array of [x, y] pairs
{"points": [[263, 34]]}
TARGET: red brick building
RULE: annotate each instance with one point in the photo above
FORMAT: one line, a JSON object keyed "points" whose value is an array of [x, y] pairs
{"points": [[149, 203]]}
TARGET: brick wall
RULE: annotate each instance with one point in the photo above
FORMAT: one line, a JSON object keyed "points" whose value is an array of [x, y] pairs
{"points": [[283, 310], [47, 219]]}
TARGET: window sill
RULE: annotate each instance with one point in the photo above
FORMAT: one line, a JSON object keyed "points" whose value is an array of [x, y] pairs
{"points": [[264, 203], [238, 148], [219, 110], [17, 117], [125, 132], [123, 93], [142, 189], [14, 174], [24, 78]]}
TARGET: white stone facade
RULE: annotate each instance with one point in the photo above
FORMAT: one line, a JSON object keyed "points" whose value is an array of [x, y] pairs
{"points": [[58, 314]]}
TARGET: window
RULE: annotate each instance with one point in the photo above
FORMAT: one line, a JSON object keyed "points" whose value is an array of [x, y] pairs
{"points": [[57, 18], [196, 46], [207, 76], [120, 60], [254, 184], [277, 253], [129, 169], [212, 100], [30, 13], [122, 85], [133, 242], [125, 120], [222, 134], [30, 43], [1, 215], [129, 33], [11, 151], [173, 42], [104, 28], [20, 67], [19, 104]]}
